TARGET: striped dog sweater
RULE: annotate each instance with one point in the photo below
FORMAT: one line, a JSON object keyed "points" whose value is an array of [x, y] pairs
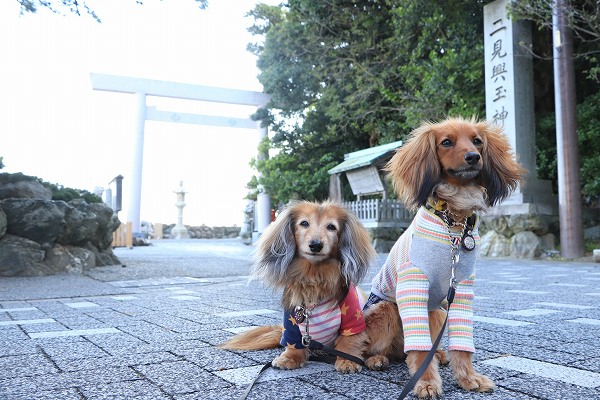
{"points": [[328, 320], [416, 275]]}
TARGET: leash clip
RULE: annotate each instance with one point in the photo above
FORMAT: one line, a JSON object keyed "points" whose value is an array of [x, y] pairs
{"points": [[306, 340], [306, 337]]}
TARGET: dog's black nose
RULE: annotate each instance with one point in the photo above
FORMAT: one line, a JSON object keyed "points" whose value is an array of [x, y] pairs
{"points": [[472, 157], [315, 246]]}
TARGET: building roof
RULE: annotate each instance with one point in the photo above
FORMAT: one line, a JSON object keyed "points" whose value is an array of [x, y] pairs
{"points": [[363, 158]]}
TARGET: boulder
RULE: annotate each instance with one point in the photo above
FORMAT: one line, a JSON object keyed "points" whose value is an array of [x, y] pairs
{"points": [[103, 256], [108, 222], [528, 222], [2, 221], [81, 223], [525, 245], [592, 233], [45, 237], [69, 259], [548, 243], [496, 223], [226, 232], [42, 221], [21, 257], [493, 244], [21, 186]]}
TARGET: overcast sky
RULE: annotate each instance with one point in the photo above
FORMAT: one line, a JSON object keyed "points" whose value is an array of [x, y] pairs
{"points": [[54, 126]]}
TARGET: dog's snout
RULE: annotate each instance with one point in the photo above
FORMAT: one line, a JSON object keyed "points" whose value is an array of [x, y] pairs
{"points": [[472, 157], [315, 246]]}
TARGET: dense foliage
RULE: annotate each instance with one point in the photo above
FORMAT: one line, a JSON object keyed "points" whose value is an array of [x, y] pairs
{"points": [[584, 20], [350, 74], [347, 75], [73, 6]]}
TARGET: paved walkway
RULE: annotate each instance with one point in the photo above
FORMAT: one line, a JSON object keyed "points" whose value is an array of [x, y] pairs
{"points": [[148, 330]]}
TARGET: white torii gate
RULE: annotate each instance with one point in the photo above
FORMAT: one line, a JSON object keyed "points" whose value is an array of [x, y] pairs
{"points": [[144, 87]]}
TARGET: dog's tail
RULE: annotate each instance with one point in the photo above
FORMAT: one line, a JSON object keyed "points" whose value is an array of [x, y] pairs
{"points": [[260, 338]]}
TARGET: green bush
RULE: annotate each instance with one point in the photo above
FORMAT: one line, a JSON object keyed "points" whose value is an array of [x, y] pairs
{"points": [[588, 133]]}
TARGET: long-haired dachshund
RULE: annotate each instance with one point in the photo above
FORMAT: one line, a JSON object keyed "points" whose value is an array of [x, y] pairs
{"points": [[449, 171], [316, 253]]}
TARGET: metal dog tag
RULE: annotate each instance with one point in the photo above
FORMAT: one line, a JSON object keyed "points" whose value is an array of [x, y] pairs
{"points": [[468, 242], [299, 314]]}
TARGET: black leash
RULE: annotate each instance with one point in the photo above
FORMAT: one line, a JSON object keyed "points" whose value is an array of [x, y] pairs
{"points": [[318, 346], [249, 388], [313, 345], [415, 378]]}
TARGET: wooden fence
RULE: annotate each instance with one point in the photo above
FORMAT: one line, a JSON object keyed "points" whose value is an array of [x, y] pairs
{"points": [[123, 236], [380, 213]]}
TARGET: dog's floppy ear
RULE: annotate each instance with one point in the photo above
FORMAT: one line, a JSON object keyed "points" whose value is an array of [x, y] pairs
{"points": [[500, 173], [275, 250], [415, 169], [355, 249]]}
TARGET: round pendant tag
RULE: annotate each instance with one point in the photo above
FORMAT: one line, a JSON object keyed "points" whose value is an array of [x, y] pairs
{"points": [[299, 314], [468, 242]]}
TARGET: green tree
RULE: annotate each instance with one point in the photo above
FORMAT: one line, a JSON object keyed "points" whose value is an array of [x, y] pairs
{"points": [[73, 6], [583, 17], [347, 75]]}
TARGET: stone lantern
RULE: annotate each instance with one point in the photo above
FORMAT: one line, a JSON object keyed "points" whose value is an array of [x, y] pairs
{"points": [[179, 231]]}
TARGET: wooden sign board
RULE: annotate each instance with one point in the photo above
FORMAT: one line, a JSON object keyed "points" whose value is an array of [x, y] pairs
{"points": [[365, 180]]}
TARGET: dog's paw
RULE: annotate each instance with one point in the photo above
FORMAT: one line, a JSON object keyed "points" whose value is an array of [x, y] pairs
{"points": [[377, 362], [442, 357], [284, 362], [428, 389], [346, 366], [476, 383]]}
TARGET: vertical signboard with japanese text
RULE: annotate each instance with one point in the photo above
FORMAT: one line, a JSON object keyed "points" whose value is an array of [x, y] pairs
{"points": [[509, 80]]}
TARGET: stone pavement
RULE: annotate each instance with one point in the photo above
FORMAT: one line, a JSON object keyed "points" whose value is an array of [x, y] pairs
{"points": [[149, 330]]}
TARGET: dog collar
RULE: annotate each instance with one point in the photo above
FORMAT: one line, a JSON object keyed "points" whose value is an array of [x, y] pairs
{"points": [[466, 238]]}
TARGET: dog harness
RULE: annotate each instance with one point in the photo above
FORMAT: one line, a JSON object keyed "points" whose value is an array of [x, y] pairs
{"points": [[416, 275], [328, 320]]}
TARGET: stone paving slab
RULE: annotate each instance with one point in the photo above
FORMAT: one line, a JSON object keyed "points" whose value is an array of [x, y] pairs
{"points": [[127, 334]]}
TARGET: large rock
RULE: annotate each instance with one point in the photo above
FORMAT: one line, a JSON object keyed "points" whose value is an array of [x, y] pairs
{"points": [[81, 223], [2, 221], [42, 221], [525, 245], [22, 186], [46, 237], [70, 259], [21, 257], [496, 223], [493, 244], [528, 222], [104, 256], [108, 222]]}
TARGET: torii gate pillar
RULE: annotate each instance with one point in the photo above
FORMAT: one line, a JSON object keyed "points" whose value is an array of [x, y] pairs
{"points": [[143, 87]]}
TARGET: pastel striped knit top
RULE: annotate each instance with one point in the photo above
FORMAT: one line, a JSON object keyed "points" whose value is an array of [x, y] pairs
{"points": [[416, 275], [328, 320]]}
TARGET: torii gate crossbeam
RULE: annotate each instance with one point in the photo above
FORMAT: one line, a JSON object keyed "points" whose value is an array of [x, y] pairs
{"points": [[144, 87]]}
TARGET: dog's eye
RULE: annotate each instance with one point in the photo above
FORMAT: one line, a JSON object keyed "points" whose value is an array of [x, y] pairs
{"points": [[304, 224], [477, 142], [446, 143], [331, 227]]}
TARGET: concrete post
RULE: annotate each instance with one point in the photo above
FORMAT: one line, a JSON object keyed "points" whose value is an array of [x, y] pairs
{"points": [[263, 201], [135, 192], [509, 95], [567, 150]]}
